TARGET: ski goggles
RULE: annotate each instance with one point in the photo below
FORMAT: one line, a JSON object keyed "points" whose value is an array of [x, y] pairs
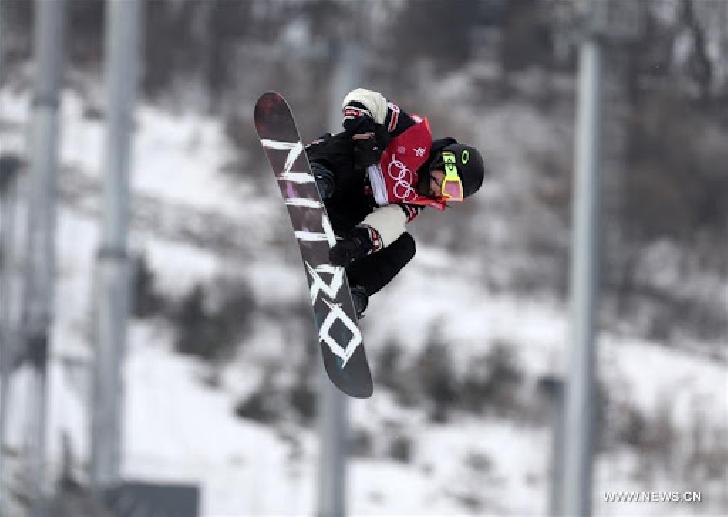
{"points": [[452, 185]]}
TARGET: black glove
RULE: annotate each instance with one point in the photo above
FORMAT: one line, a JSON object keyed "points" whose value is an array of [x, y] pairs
{"points": [[324, 180], [367, 150], [370, 139], [355, 246], [361, 123]]}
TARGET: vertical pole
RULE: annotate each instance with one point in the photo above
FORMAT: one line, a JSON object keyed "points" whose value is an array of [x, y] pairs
{"points": [[5, 230], [8, 193], [554, 389], [39, 273], [112, 267], [580, 398], [334, 415], [2, 47], [333, 432]]}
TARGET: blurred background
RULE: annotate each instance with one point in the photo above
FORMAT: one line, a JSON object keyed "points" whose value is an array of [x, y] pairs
{"points": [[220, 375]]}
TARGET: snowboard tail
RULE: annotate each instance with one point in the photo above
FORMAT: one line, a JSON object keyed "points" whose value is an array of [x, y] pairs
{"points": [[339, 335]]}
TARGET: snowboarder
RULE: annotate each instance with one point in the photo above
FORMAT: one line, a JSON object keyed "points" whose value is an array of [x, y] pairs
{"points": [[379, 174]]}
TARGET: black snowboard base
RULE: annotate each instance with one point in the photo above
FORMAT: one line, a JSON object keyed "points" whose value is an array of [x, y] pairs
{"points": [[341, 341]]}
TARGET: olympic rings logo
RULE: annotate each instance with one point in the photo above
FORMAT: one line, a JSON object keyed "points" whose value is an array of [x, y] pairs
{"points": [[402, 176]]}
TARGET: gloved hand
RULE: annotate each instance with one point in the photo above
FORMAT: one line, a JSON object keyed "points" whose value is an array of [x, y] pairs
{"points": [[369, 138], [367, 150], [358, 120], [324, 180], [355, 246]]}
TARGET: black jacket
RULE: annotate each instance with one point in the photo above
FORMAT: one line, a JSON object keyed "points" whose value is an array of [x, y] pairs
{"points": [[352, 200]]}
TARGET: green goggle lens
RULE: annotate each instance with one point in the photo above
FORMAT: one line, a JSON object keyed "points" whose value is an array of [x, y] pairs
{"points": [[452, 185]]}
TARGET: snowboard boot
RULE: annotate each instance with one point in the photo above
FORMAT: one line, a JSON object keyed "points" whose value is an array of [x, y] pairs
{"points": [[361, 300]]}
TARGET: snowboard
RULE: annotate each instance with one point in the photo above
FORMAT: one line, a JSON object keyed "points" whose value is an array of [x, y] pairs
{"points": [[335, 319]]}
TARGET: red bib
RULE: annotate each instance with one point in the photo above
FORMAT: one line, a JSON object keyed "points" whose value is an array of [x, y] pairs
{"points": [[394, 180]]}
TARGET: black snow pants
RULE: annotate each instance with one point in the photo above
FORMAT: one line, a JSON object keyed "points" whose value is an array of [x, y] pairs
{"points": [[349, 205]]}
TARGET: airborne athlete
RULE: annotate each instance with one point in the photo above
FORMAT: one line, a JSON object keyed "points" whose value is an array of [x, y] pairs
{"points": [[378, 175]]}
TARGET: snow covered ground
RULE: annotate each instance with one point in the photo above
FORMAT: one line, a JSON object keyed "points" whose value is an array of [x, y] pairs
{"points": [[179, 428]]}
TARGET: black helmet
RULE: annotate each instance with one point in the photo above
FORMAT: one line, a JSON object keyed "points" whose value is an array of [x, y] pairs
{"points": [[470, 166]]}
